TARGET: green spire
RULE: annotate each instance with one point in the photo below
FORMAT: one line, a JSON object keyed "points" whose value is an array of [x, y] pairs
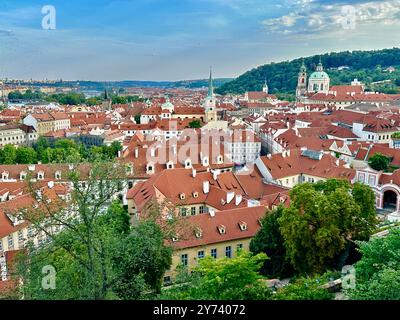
{"points": [[303, 66], [210, 85]]}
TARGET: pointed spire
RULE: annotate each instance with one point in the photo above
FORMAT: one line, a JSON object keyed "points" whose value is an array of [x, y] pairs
{"points": [[303, 66], [210, 84], [319, 66]]}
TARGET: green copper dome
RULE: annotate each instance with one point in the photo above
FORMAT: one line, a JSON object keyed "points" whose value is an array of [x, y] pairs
{"points": [[319, 75]]}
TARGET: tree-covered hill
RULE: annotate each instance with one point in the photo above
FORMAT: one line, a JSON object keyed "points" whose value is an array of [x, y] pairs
{"points": [[366, 66]]}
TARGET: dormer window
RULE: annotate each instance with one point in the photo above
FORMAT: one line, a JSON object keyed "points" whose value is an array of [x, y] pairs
{"points": [[243, 225], [221, 229], [198, 233], [22, 175], [58, 175], [150, 168], [170, 165], [40, 175], [175, 239], [188, 164], [195, 194], [182, 196], [5, 175]]}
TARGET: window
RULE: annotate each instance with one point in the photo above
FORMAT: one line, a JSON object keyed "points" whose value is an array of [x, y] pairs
{"points": [[214, 253], [193, 211], [183, 212], [239, 247], [10, 242], [202, 209], [167, 280], [200, 254], [228, 252], [184, 259]]}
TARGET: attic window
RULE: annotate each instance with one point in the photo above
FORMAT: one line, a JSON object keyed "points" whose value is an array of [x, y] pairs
{"points": [[243, 225], [175, 239], [182, 196], [195, 194], [198, 233], [221, 229]]}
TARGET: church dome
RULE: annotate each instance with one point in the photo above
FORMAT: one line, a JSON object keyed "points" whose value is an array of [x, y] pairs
{"points": [[319, 75]]}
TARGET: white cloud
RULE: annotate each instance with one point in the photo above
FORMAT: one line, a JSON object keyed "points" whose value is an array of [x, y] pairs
{"points": [[309, 16]]}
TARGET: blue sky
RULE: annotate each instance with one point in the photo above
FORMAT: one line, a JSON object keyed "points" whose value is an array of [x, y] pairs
{"points": [[180, 39]]}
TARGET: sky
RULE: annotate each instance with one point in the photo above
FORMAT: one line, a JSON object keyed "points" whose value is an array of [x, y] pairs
{"points": [[181, 39]]}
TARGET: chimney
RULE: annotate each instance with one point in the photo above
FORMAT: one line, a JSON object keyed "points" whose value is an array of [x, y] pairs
{"points": [[215, 174], [194, 172], [211, 212], [269, 156], [152, 152], [50, 184], [284, 154], [288, 153], [136, 153], [230, 196], [206, 186], [337, 162], [238, 199]]}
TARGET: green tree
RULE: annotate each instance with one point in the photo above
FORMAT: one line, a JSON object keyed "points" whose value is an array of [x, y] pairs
{"points": [[396, 135], [142, 259], [137, 118], [223, 279], [195, 124], [378, 271], [97, 246], [270, 241], [26, 155], [304, 289], [119, 100], [379, 162], [321, 221], [8, 154]]}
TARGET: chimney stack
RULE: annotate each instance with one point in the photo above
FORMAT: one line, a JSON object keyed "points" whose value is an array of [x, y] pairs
{"points": [[136, 153], [230, 196], [194, 173], [238, 199], [206, 187], [215, 174]]}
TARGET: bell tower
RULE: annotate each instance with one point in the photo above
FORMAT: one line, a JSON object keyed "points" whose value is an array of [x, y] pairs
{"points": [[302, 81], [210, 103]]}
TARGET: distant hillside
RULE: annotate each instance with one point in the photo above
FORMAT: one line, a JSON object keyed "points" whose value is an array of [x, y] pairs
{"points": [[97, 85], [366, 66]]}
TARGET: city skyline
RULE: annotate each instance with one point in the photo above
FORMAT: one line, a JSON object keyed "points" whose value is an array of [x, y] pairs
{"points": [[178, 40]]}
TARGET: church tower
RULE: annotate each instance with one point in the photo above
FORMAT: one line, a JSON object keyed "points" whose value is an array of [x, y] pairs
{"points": [[319, 80], [107, 101], [210, 104], [302, 81], [265, 86]]}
